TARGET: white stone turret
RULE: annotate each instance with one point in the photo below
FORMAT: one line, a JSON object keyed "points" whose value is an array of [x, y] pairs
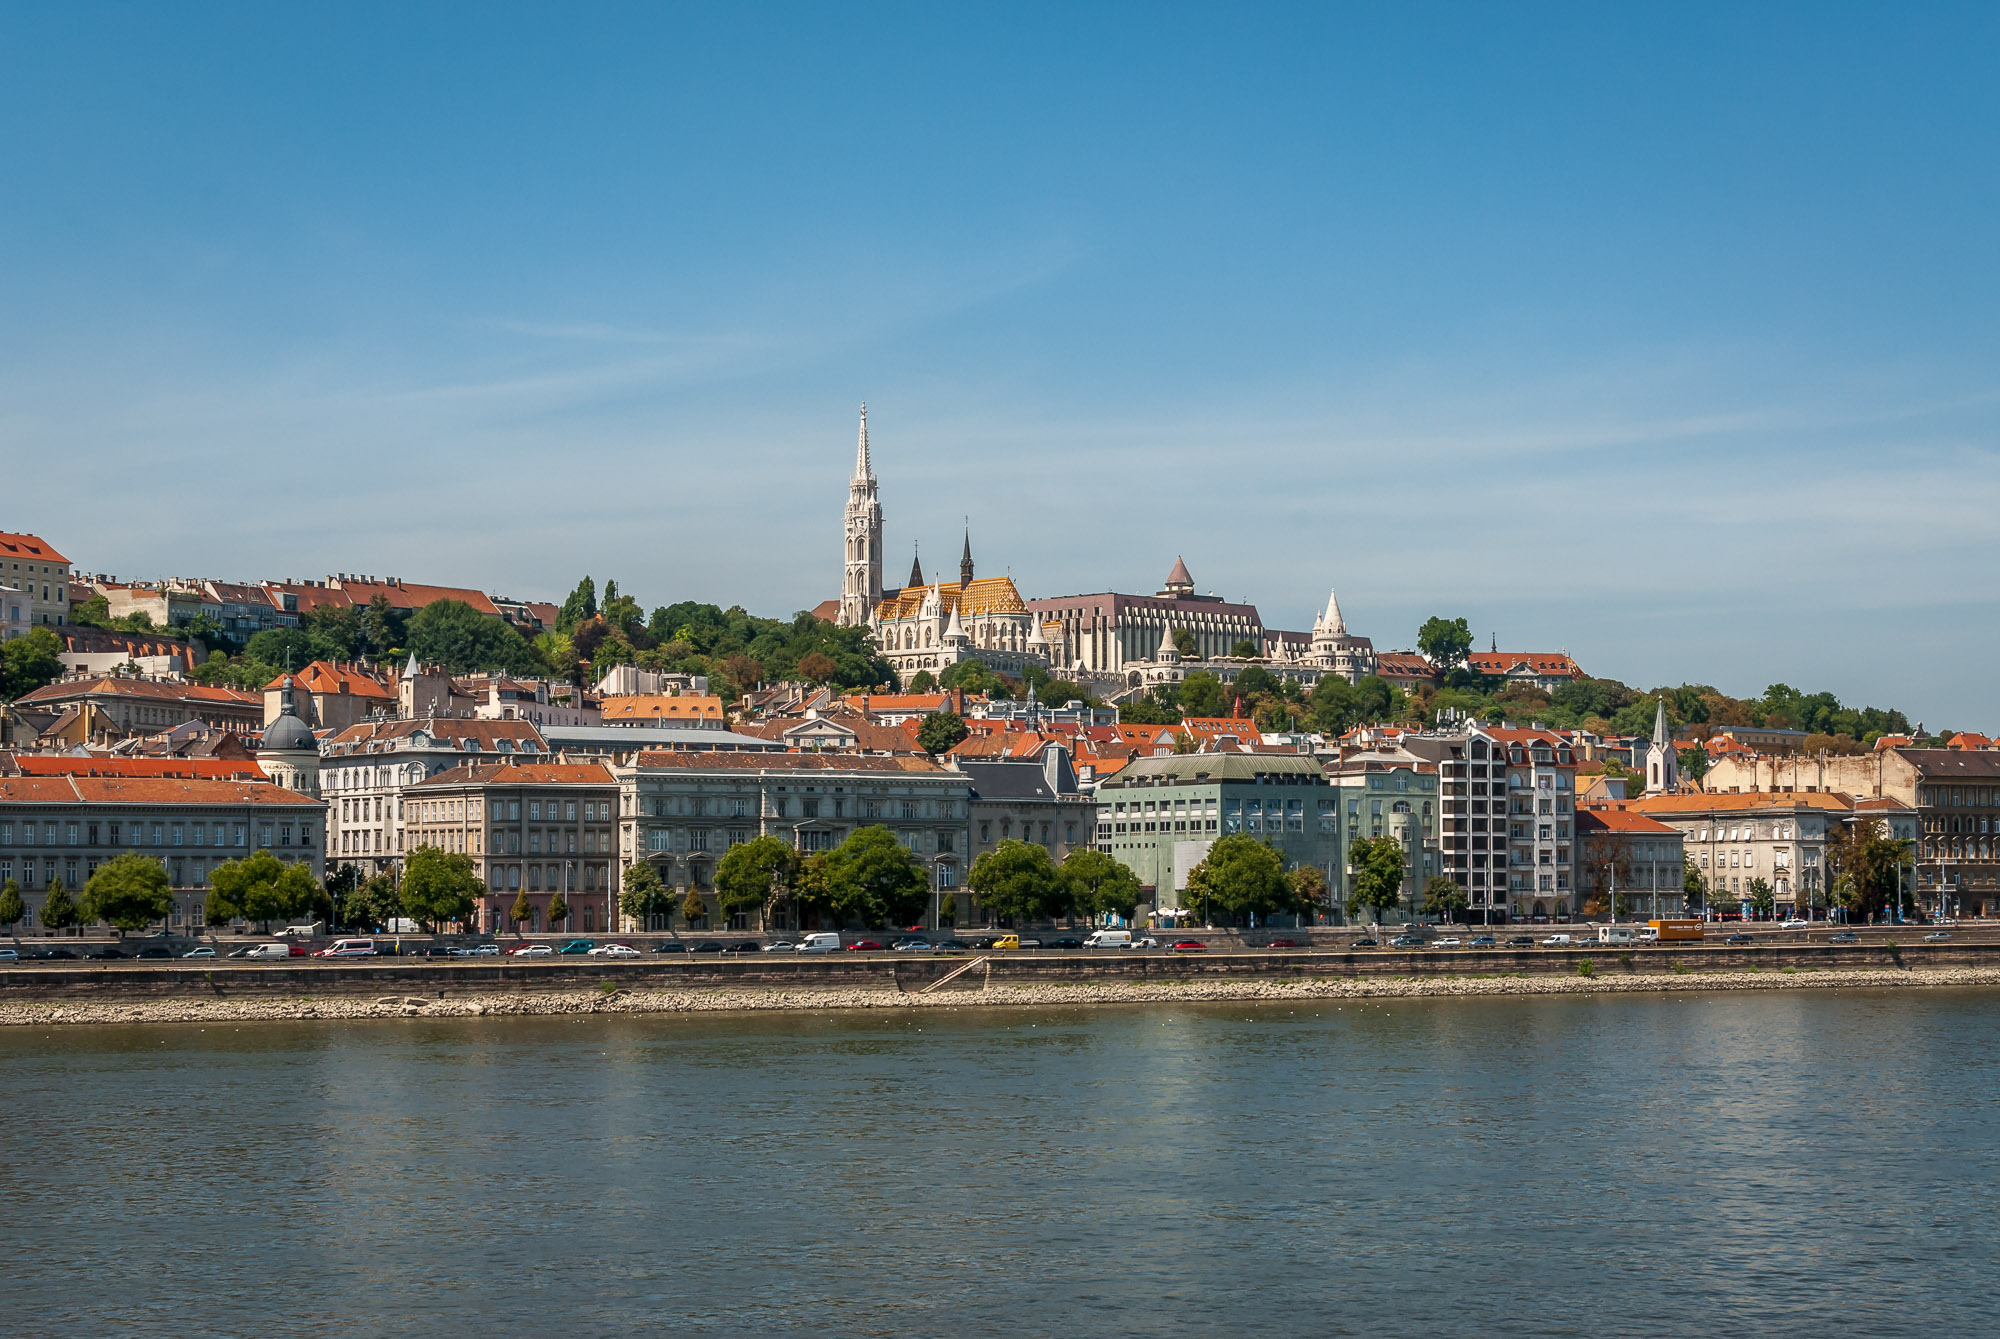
{"points": [[861, 587], [1662, 761]]}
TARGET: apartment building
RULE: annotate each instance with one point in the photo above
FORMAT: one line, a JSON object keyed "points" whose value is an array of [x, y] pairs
{"points": [[1625, 858], [31, 565], [681, 811], [365, 769], [61, 827], [125, 707], [529, 827], [1030, 800], [1388, 791], [1508, 798]]}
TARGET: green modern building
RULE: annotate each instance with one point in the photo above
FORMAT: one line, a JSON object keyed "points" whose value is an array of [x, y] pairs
{"points": [[1158, 816]]}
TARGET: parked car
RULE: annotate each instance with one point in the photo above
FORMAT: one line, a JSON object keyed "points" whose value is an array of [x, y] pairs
{"points": [[747, 946], [486, 951], [705, 946], [781, 946], [864, 946], [1406, 941], [1190, 946], [1739, 938], [578, 946], [432, 951], [1520, 941], [1482, 941], [9, 955], [154, 951], [1366, 941], [670, 946], [1558, 941], [951, 946], [1451, 942], [1065, 943], [1937, 937], [911, 946], [107, 951], [531, 951], [615, 951], [49, 955], [1282, 943], [1796, 923], [1844, 937], [200, 951]]}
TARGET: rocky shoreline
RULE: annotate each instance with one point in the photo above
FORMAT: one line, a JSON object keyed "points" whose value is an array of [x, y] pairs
{"points": [[29, 1013]]}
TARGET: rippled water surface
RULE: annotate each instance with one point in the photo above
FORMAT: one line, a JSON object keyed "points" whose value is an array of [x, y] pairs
{"points": [[1744, 1164]]}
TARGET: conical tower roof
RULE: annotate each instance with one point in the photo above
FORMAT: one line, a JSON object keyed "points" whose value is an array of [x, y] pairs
{"points": [[863, 467], [1179, 576], [1332, 620], [916, 568]]}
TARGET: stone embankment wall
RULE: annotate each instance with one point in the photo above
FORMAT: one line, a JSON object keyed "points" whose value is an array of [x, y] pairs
{"points": [[848, 972]]}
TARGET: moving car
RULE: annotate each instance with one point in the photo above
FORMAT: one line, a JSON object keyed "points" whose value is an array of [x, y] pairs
{"points": [[746, 946], [1282, 943], [48, 955], [1558, 941], [1796, 923], [432, 951], [578, 946], [531, 951], [951, 946], [670, 946], [486, 951], [107, 951], [1406, 941], [1366, 941], [1452, 942], [1482, 941], [154, 951], [1844, 937], [706, 946], [1739, 938], [9, 955], [911, 946], [348, 948], [1937, 937], [781, 946], [261, 951], [1190, 946], [615, 951], [1520, 941], [203, 951], [1065, 943], [864, 946]]}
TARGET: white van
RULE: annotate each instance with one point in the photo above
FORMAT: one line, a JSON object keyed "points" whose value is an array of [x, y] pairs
{"points": [[820, 943], [348, 948], [1109, 939], [1617, 934], [269, 951]]}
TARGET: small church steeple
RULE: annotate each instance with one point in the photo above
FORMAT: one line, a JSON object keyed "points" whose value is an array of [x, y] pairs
{"points": [[916, 568], [965, 558]]}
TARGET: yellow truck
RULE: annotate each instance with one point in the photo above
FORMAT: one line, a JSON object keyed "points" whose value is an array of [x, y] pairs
{"points": [[1675, 932]]}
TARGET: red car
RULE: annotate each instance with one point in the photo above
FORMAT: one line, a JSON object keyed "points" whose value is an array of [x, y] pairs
{"points": [[1282, 943], [1190, 946], [864, 946]]}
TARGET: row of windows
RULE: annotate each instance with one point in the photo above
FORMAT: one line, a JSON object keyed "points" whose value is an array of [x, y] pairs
{"points": [[700, 840], [73, 872], [121, 833], [807, 806]]}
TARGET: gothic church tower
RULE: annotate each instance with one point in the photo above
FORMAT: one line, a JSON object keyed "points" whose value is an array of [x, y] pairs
{"points": [[861, 589]]}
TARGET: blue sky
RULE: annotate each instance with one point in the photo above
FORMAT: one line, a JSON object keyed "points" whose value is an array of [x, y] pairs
{"points": [[1667, 338]]}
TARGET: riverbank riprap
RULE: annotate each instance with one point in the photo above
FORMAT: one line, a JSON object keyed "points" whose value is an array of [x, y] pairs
{"points": [[18, 1013]]}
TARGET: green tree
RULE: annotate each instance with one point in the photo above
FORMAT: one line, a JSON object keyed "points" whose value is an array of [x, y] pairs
{"points": [[758, 873], [693, 909], [522, 912], [1379, 866], [1309, 890], [128, 892], [558, 909], [1019, 881], [1444, 899], [260, 887], [59, 909], [817, 667], [453, 634], [383, 625], [644, 895], [1245, 650], [1244, 877], [28, 662], [872, 878], [1868, 859], [1760, 897], [440, 886], [280, 648], [374, 902], [1694, 884], [580, 605], [1202, 694], [12, 908], [1184, 641], [1446, 643], [1694, 762], [1099, 885], [923, 681], [941, 731]]}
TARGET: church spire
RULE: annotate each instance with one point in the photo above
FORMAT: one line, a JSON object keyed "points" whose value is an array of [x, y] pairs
{"points": [[916, 568], [965, 558], [863, 467], [1660, 725]]}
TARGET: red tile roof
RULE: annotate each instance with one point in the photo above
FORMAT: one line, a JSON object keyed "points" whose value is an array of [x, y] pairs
{"points": [[324, 676], [1621, 820], [660, 707], [525, 774], [207, 769], [148, 790], [31, 547], [1540, 662], [112, 686], [720, 761]]}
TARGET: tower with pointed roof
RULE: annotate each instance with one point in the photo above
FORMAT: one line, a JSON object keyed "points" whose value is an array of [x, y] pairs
{"points": [[965, 559], [916, 569], [1179, 583], [861, 587], [1662, 761]]}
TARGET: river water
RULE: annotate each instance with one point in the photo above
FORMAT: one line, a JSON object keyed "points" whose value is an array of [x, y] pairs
{"points": [[1771, 1163]]}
